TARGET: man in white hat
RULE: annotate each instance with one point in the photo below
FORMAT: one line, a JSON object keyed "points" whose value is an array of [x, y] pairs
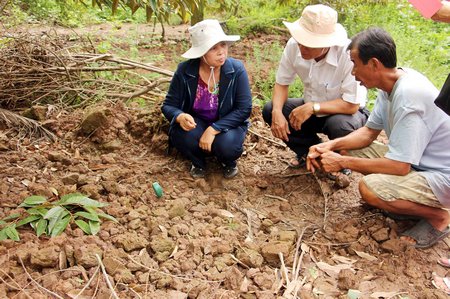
{"points": [[333, 102]]}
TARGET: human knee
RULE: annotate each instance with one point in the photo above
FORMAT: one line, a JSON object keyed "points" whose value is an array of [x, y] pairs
{"points": [[267, 112], [228, 152], [184, 140], [339, 125], [367, 195]]}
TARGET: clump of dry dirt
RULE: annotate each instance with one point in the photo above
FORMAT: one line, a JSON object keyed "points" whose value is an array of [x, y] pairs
{"points": [[205, 238]]}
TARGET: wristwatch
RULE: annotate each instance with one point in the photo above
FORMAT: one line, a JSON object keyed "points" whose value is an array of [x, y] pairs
{"points": [[316, 108]]}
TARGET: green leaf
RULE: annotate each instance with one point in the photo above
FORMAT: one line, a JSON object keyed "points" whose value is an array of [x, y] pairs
{"points": [[89, 216], [29, 219], [12, 216], [94, 226], [34, 223], [33, 201], [108, 217], [60, 226], [81, 200], [55, 220], [3, 235], [84, 226], [41, 226], [54, 212], [37, 211], [12, 233]]}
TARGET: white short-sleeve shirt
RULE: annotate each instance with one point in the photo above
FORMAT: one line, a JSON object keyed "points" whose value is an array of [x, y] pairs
{"points": [[418, 131], [326, 80]]}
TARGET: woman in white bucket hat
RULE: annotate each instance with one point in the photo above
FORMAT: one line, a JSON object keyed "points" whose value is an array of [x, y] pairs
{"points": [[209, 101], [333, 102]]}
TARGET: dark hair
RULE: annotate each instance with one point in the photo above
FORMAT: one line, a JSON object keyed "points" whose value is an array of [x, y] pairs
{"points": [[375, 43]]}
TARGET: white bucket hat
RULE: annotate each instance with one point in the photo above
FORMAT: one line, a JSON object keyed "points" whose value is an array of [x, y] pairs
{"points": [[318, 28], [204, 35]]}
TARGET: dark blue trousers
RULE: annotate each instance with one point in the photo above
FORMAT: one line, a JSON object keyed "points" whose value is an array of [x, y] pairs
{"points": [[334, 126], [227, 147]]}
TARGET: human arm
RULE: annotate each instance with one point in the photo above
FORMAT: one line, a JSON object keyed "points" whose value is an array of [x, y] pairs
{"points": [[337, 106], [186, 121], [360, 138], [280, 126], [331, 162], [207, 139]]}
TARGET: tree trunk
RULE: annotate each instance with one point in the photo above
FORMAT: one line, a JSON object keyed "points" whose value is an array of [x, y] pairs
{"points": [[197, 14]]}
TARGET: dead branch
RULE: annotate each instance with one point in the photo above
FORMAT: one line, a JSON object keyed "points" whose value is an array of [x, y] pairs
{"points": [[48, 69], [30, 126], [268, 139]]}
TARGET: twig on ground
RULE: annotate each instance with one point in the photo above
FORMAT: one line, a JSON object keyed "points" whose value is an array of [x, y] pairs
{"points": [[239, 262], [268, 139], [325, 197], [276, 197], [18, 288], [108, 282], [88, 283], [36, 283], [293, 174]]}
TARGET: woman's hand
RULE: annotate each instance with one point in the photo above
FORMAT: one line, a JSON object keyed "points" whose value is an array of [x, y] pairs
{"points": [[186, 122], [207, 139]]}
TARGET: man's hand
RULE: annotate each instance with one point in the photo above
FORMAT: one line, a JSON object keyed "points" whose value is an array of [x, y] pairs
{"points": [[186, 122], [207, 139], [313, 158], [280, 126], [330, 161], [300, 114]]}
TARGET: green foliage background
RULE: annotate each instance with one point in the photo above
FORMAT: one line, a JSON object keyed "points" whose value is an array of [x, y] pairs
{"points": [[421, 44]]}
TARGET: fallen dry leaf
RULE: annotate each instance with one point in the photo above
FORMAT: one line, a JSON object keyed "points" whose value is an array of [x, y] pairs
{"points": [[333, 270], [365, 256]]}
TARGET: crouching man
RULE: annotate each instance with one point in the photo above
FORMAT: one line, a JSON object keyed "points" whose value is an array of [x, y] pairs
{"points": [[409, 177]]}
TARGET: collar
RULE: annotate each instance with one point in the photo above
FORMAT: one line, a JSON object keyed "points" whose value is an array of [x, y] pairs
{"points": [[332, 56]]}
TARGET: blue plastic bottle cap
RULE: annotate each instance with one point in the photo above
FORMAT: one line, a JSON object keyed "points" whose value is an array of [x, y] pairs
{"points": [[158, 190]]}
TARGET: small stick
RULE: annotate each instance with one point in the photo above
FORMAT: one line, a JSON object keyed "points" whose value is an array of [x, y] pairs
{"points": [[239, 262], [113, 292], [325, 208], [293, 174], [268, 139], [283, 268], [36, 283], [88, 283], [276, 197]]}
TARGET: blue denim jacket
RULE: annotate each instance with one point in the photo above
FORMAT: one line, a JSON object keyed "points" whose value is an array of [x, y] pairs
{"points": [[235, 100]]}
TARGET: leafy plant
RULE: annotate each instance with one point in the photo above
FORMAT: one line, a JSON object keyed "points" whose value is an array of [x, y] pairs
{"points": [[52, 218]]}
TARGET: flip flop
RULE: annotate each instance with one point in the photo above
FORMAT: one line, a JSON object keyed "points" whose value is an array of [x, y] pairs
{"points": [[441, 283], [400, 217], [425, 234], [445, 262]]}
